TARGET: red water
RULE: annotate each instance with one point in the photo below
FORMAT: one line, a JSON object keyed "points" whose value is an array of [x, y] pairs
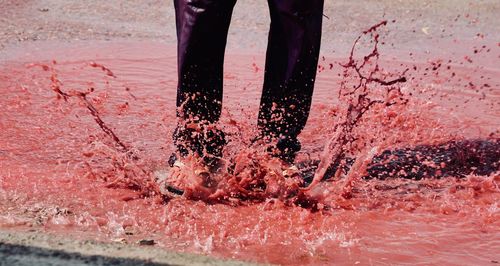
{"points": [[60, 172]]}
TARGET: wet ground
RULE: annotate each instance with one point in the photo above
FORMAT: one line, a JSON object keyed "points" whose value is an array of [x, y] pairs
{"points": [[60, 173]]}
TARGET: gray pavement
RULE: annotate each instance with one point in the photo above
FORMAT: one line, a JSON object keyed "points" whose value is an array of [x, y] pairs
{"points": [[19, 247]]}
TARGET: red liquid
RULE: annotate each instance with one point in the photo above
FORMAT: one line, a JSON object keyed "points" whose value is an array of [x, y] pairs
{"points": [[57, 166]]}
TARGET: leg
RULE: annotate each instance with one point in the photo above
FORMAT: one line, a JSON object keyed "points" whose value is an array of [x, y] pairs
{"points": [[202, 27], [291, 65]]}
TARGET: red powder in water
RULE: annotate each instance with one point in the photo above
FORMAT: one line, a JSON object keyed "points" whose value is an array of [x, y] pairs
{"points": [[60, 169]]}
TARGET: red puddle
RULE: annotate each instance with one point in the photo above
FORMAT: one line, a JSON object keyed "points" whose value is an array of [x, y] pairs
{"points": [[60, 172]]}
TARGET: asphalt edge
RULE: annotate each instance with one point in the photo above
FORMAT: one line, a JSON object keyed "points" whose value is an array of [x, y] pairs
{"points": [[91, 248]]}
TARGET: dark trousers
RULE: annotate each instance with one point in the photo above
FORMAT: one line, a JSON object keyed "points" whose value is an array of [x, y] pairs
{"points": [[291, 62]]}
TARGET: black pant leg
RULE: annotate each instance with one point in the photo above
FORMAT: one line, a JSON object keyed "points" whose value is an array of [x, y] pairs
{"points": [[202, 27], [291, 66]]}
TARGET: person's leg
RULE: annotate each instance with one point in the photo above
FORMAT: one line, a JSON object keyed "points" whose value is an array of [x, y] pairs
{"points": [[291, 65], [202, 27]]}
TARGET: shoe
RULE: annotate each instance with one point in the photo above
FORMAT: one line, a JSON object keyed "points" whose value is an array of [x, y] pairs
{"points": [[291, 171], [161, 178], [188, 177]]}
